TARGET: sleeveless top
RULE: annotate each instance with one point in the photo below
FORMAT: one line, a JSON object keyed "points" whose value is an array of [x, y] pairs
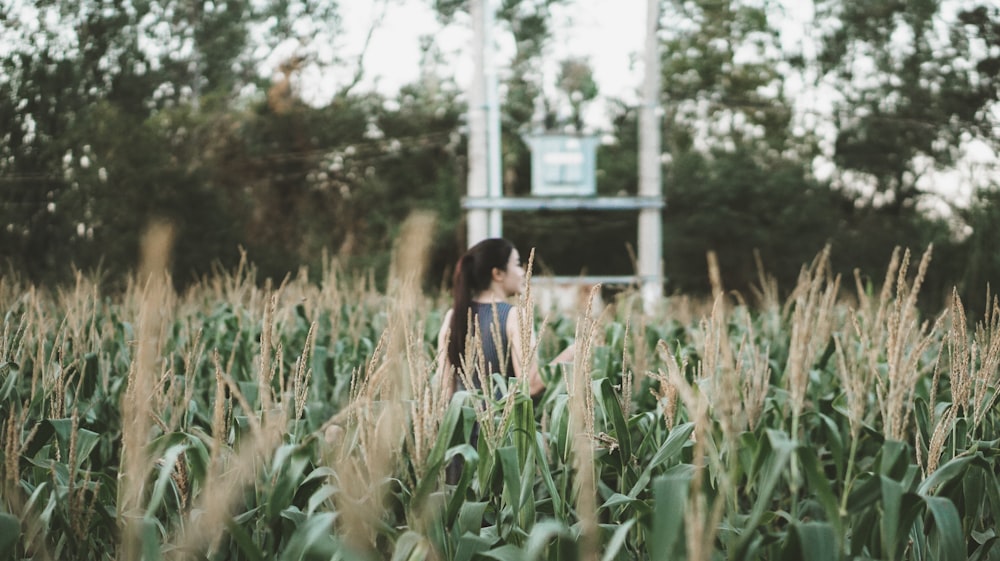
{"points": [[496, 354]]}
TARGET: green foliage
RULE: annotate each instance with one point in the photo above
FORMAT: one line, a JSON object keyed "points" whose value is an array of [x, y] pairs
{"points": [[921, 95], [675, 477]]}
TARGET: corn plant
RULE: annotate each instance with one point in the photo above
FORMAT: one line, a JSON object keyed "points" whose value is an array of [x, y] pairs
{"points": [[306, 420]]}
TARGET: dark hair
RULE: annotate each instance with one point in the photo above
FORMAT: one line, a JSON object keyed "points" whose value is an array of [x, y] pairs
{"points": [[473, 274]]}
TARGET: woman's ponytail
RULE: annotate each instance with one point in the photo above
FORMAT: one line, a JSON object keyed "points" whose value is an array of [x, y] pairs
{"points": [[462, 290]]}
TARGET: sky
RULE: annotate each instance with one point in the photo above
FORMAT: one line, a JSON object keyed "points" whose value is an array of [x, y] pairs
{"points": [[607, 32]]}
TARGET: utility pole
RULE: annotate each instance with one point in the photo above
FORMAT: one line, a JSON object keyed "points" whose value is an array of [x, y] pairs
{"points": [[650, 181], [477, 220], [494, 175]]}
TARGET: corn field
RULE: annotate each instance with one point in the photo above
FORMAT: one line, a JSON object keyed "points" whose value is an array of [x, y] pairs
{"points": [[304, 420]]}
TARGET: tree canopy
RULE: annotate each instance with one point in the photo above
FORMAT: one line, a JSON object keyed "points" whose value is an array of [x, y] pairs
{"points": [[117, 113]]}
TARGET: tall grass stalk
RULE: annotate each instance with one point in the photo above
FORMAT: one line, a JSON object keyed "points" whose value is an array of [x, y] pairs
{"points": [[906, 340], [137, 413], [581, 404]]}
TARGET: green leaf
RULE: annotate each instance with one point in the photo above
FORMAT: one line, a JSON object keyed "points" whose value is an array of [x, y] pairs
{"points": [[470, 518], [612, 409], [169, 462], [150, 540], [511, 476], [410, 546], [892, 505], [244, 542], [815, 541], [290, 462], [951, 543], [85, 439], [312, 537], [542, 534], [436, 457], [469, 468], [319, 496], [10, 531], [671, 447], [950, 473], [504, 553], [893, 459], [820, 486], [546, 473], [670, 497], [9, 374], [617, 540], [470, 545]]}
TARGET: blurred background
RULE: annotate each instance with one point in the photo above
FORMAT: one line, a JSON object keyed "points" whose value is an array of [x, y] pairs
{"points": [[304, 129]]}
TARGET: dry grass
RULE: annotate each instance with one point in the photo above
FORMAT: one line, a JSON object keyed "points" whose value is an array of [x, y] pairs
{"points": [[812, 323], [581, 407], [137, 405]]}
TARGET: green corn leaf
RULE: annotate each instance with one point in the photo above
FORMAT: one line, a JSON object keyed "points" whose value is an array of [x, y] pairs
{"points": [[948, 525], [893, 459], [436, 457], [617, 540], [617, 500], [815, 541], [294, 515], [411, 546], [526, 500], [523, 427], [10, 532], [892, 506], [820, 485], [169, 463], [504, 553], [671, 447], [541, 535], [150, 540], [546, 473], [470, 518], [613, 410], [864, 495], [951, 473], [988, 550], [312, 539], [9, 374], [244, 542], [670, 497], [319, 497], [288, 467], [511, 476], [469, 469], [470, 545], [559, 427], [782, 449], [86, 440], [834, 441]]}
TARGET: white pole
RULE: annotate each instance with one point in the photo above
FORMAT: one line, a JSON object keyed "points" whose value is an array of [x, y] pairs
{"points": [[495, 181], [476, 219], [650, 183]]}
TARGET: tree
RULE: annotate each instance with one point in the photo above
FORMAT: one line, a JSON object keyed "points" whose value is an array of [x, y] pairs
{"points": [[105, 107], [915, 87]]}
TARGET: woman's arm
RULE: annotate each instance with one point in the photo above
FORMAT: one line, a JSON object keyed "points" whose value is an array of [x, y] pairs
{"points": [[443, 372], [530, 370]]}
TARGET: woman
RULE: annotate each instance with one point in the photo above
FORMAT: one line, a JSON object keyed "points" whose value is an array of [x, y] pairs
{"points": [[488, 274]]}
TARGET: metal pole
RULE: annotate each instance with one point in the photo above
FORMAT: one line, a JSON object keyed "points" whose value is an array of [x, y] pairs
{"points": [[650, 183], [476, 219], [495, 181]]}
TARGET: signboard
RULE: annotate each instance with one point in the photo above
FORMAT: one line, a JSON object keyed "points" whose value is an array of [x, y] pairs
{"points": [[562, 165]]}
